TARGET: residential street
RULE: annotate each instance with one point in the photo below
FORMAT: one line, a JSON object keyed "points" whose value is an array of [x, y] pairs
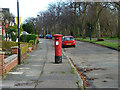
{"points": [[59, 44], [99, 64], [40, 71]]}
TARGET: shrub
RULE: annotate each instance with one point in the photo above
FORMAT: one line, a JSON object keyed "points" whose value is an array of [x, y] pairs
{"points": [[13, 37], [24, 48], [27, 38], [31, 41], [8, 44], [100, 39], [35, 41], [24, 38], [31, 37]]}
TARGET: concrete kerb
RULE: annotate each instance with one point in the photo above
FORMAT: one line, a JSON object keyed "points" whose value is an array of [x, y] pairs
{"points": [[80, 81]]}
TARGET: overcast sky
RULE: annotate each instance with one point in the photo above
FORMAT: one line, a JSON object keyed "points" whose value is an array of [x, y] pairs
{"points": [[28, 8]]}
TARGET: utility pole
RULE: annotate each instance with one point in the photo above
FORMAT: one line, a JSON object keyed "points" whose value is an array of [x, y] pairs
{"points": [[19, 51]]}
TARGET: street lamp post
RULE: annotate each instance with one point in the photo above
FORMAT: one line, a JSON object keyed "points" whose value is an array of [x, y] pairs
{"points": [[19, 51]]}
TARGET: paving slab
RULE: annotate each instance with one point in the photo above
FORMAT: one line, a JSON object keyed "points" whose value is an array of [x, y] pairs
{"points": [[57, 75]]}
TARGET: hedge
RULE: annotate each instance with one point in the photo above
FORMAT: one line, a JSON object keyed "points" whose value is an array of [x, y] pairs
{"points": [[31, 41], [27, 38]]}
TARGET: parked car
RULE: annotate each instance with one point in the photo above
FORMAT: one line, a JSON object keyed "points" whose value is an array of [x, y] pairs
{"points": [[41, 36], [48, 36], [68, 41]]}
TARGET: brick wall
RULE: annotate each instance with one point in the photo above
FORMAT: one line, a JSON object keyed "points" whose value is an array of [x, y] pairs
{"points": [[11, 65], [2, 66], [14, 49], [6, 67]]}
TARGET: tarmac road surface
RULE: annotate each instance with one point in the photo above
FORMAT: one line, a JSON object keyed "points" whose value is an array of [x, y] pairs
{"points": [[99, 64]]}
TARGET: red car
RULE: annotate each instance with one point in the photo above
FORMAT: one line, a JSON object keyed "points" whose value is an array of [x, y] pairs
{"points": [[68, 41]]}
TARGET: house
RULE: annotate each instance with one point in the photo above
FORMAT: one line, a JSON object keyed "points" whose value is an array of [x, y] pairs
{"points": [[6, 24]]}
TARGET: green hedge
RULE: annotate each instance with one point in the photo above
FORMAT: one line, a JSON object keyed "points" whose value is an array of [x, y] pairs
{"points": [[31, 41], [27, 38]]}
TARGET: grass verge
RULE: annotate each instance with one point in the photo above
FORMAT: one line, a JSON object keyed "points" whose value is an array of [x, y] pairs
{"points": [[111, 38], [113, 45]]}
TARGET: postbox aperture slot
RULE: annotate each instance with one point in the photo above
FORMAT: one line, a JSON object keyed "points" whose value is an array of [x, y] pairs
{"points": [[57, 38]]}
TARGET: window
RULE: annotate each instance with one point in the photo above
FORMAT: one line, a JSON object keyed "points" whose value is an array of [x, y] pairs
{"points": [[68, 38]]}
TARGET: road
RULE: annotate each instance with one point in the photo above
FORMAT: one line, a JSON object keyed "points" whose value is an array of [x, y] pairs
{"points": [[99, 64]]}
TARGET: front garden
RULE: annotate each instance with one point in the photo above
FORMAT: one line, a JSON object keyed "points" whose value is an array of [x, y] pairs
{"points": [[9, 52]]}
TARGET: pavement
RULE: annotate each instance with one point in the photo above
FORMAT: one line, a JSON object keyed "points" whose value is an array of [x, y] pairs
{"points": [[99, 64], [40, 71]]}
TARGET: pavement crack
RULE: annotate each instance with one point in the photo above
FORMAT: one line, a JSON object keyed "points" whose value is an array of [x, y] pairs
{"points": [[37, 82]]}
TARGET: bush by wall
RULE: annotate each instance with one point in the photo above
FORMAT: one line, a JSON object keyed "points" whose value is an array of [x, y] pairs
{"points": [[24, 48], [13, 37], [8, 44], [27, 38], [24, 38], [32, 41]]}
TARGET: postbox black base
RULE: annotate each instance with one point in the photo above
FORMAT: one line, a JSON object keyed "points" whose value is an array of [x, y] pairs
{"points": [[58, 59]]}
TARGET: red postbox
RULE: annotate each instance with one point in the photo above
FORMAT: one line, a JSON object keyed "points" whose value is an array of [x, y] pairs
{"points": [[58, 48]]}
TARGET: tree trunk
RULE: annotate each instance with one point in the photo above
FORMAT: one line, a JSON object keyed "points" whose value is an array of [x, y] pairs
{"points": [[79, 18], [97, 21], [83, 25], [83, 30], [99, 32], [75, 26]]}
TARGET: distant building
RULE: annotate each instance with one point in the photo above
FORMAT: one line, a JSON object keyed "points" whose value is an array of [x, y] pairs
{"points": [[5, 10]]}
